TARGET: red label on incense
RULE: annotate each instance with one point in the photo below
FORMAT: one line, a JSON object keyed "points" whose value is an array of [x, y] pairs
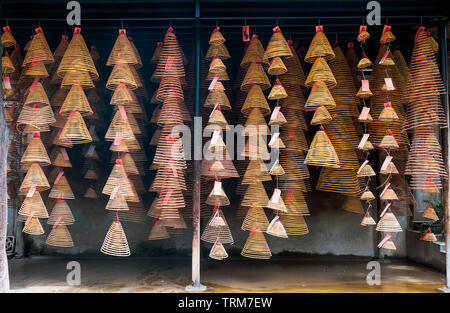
{"points": [[6, 29], [156, 219], [38, 30], [388, 105], [169, 62], [72, 113], [386, 28], [159, 44], [365, 85], [362, 28], [319, 28], [35, 81], [245, 33], [118, 138], [386, 238], [216, 30], [36, 134], [77, 30], [253, 229], [11, 109], [7, 82], [60, 174], [289, 195], [426, 232], [57, 222], [255, 36], [276, 29], [122, 31], [167, 197], [384, 57], [123, 114], [350, 45], [64, 154], [169, 30], [119, 161]]}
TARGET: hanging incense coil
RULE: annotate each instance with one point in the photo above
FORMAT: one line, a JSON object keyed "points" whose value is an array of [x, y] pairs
{"points": [[255, 194], [90, 193], [36, 94], [277, 92], [430, 213], [294, 200], [389, 194], [61, 214], [38, 50], [219, 50], [388, 223], [61, 48], [276, 67], [217, 97], [7, 38], [255, 216], [364, 94], [60, 237], [254, 51], [256, 171], [75, 130], [320, 71], [58, 98], [58, 159], [319, 48], [352, 204], [7, 65], [171, 53], [321, 116], [36, 152], [276, 229], [277, 206], [364, 63], [217, 251], [390, 169], [389, 142], [321, 152], [256, 247], [367, 220], [278, 119], [217, 119], [77, 58], [122, 51], [35, 175], [77, 78], [217, 229], [76, 99], [158, 231], [429, 237], [367, 195], [255, 75], [33, 206], [294, 225], [387, 36], [389, 245], [339, 180], [119, 125], [220, 199], [118, 178], [37, 117], [255, 99], [366, 171], [277, 46], [35, 69], [319, 96], [121, 74], [117, 202], [115, 242], [62, 189], [366, 119], [135, 214], [33, 227]]}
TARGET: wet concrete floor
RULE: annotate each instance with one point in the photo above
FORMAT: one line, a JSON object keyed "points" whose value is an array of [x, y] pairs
{"points": [[42, 274]]}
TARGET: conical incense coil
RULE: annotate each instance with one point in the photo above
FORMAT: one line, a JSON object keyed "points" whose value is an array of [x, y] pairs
{"points": [[429, 236], [33, 227], [61, 189], [221, 168], [58, 97], [276, 67], [255, 99], [119, 127], [277, 46], [256, 247], [295, 74], [217, 228], [61, 214], [366, 171], [61, 159], [217, 251], [117, 202], [219, 50], [352, 204], [35, 176], [430, 213], [294, 200], [77, 57], [294, 225], [389, 195], [77, 78], [255, 218], [255, 194], [121, 74], [75, 130], [276, 202], [365, 119], [293, 165], [217, 97], [7, 65], [256, 148], [388, 223], [387, 36], [171, 56], [135, 214], [319, 96], [321, 116], [276, 228], [60, 237], [129, 164], [61, 48], [35, 69], [168, 176], [158, 231], [389, 245], [363, 35], [367, 146], [217, 198], [38, 117], [339, 180], [320, 71], [254, 51], [38, 49], [76, 99], [169, 201], [277, 92], [115, 242], [390, 169], [364, 63], [216, 66], [36, 152], [256, 123], [90, 193], [170, 114], [364, 94], [221, 75], [389, 141], [293, 139], [277, 144], [118, 180], [255, 75], [319, 48], [217, 119], [278, 119], [7, 38], [33, 206], [256, 171], [321, 152], [122, 51], [367, 195], [426, 183], [36, 94], [367, 220]]}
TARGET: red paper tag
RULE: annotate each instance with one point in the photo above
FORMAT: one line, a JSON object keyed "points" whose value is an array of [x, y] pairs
{"points": [[118, 138], [386, 162], [216, 30], [382, 242], [123, 114], [362, 28], [426, 232], [290, 132], [276, 195], [363, 141], [122, 31], [72, 113], [38, 30], [167, 197], [159, 44], [7, 82], [389, 84], [275, 113], [6, 29], [365, 215], [319, 28], [385, 188], [385, 209], [169, 62], [362, 165], [384, 57], [273, 139], [386, 28], [169, 30], [350, 45], [155, 220], [57, 221], [64, 154], [389, 132], [364, 113], [276, 29], [388, 105], [35, 81], [31, 191], [29, 218], [77, 30], [213, 83], [253, 229], [245, 33], [60, 174], [365, 85], [289, 195]]}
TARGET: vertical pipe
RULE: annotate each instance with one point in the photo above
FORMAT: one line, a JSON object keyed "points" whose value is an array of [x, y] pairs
{"points": [[4, 275], [446, 145], [196, 285]]}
